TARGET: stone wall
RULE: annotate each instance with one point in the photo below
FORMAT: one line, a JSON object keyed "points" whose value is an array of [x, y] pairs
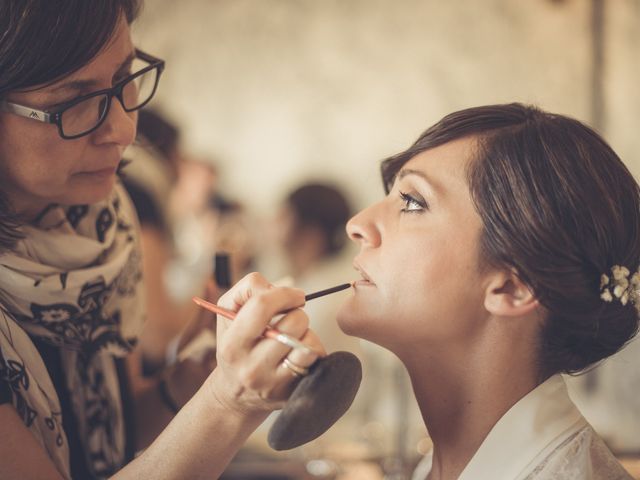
{"points": [[278, 91]]}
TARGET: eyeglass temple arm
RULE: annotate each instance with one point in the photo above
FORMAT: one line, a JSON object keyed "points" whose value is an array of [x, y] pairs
{"points": [[147, 57], [26, 112]]}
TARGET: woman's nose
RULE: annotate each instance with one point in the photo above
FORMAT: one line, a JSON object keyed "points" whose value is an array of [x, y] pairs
{"points": [[363, 229], [119, 127]]}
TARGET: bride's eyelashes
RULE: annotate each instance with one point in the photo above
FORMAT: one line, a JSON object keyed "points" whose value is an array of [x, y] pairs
{"points": [[413, 203]]}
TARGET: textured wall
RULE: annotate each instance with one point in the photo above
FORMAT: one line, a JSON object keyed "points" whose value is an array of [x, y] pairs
{"points": [[280, 90]]}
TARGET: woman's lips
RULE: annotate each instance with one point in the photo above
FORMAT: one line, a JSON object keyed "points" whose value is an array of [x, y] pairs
{"points": [[366, 280], [101, 173]]}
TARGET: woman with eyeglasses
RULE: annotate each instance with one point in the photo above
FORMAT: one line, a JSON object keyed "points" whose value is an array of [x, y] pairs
{"points": [[71, 305]]}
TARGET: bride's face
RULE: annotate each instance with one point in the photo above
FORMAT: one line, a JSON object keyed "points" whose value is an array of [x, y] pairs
{"points": [[419, 256]]}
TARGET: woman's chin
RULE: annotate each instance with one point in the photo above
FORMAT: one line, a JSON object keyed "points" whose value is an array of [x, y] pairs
{"points": [[352, 319], [345, 319], [86, 196]]}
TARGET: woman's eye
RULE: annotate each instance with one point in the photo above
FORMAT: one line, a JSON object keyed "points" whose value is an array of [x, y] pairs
{"points": [[412, 204]]}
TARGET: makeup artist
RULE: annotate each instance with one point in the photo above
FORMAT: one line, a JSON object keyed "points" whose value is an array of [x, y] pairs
{"points": [[71, 299]]}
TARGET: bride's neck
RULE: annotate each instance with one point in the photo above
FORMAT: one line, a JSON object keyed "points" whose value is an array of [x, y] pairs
{"points": [[462, 392]]}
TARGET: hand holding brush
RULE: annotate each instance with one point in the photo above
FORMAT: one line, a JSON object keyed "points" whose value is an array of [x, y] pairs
{"points": [[324, 385]]}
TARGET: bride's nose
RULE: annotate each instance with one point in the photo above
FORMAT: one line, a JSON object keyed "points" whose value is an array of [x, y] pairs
{"points": [[362, 228]]}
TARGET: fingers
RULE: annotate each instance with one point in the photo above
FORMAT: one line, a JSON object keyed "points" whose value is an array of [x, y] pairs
{"points": [[256, 361], [303, 358], [242, 291], [260, 302], [295, 365], [278, 365], [271, 352]]}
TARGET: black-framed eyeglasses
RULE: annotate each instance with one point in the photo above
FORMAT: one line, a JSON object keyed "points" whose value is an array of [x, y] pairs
{"points": [[85, 114]]}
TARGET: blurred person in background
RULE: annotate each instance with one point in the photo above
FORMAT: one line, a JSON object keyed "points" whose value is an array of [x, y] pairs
{"points": [[184, 221], [194, 224], [309, 231], [235, 235], [150, 178]]}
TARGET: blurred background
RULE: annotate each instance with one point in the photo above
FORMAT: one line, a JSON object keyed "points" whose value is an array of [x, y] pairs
{"points": [[268, 97]]}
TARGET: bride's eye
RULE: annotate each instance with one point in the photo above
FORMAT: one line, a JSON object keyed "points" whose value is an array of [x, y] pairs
{"points": [[413, 204]]}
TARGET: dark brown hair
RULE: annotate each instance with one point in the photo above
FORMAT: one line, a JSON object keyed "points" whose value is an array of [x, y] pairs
{"points": [[559, 207], [42, 41]]}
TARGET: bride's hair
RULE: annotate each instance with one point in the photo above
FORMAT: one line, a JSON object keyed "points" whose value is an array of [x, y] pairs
{"points": [[559, 207]]}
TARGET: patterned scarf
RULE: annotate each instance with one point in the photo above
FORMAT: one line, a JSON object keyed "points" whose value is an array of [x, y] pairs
{"points": [[74, 282]]}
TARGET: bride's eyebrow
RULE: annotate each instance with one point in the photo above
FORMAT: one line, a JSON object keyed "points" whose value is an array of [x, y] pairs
{"points": [[430, 183]]}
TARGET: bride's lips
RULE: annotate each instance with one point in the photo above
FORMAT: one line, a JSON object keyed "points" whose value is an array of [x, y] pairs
{"points": [[366, 280]]}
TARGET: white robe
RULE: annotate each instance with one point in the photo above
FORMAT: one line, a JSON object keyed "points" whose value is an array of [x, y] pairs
{"points": [[542, 437]]}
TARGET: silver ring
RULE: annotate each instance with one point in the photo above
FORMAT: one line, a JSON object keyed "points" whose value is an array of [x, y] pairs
{"points": [[296, 369]]}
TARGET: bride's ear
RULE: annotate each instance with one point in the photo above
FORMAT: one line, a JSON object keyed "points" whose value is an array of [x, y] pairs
{"points": [[507, 296]]}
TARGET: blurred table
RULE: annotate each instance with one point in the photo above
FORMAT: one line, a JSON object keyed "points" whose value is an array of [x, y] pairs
{"points": [[632, 464], [267, 470]]}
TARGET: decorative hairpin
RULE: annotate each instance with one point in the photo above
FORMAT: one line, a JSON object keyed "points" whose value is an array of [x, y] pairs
{"points": [[620, 286]]}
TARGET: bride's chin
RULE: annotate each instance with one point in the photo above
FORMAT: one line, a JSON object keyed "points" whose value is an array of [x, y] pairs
{"points": [[349, 321]]}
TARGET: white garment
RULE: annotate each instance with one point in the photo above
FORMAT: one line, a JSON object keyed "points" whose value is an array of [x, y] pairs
{"points": [[542, 437]]}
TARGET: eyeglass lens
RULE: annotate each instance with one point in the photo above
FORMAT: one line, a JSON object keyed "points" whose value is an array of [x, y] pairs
{"points": [[85, 115]]}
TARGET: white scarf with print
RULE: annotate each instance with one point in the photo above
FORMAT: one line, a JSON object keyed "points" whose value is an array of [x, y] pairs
{"points": [[74, 281]]}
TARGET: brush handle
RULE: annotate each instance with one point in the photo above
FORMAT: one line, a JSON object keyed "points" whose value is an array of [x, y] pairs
{"points": [[327, 291], [268, 332]]}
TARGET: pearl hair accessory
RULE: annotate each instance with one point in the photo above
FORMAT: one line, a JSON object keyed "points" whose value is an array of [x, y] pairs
{"points": [[620, 286]]}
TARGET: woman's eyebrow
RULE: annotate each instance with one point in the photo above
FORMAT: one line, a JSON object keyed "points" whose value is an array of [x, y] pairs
{"points": [[409, 171], [84, 85], [78, 85]]}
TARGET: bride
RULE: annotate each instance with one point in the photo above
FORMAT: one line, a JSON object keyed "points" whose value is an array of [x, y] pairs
{"points": [[505, 253]]}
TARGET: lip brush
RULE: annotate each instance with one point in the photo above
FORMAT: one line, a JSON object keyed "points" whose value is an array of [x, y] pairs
{"points": [[327, 291], [231, 315], [271, 332]]}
